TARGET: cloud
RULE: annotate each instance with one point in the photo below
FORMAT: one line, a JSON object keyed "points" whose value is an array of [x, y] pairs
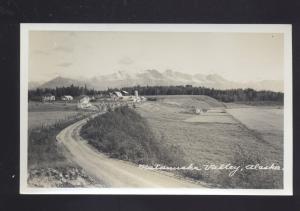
{"points": [[126, 61], [64, 64]]}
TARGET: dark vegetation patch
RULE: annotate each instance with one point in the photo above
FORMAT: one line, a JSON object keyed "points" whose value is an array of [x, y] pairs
{"points": [[125, 135]]}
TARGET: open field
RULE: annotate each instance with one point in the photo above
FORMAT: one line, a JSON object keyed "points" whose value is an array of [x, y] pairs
{"points": [[266, 123], [54, 106], [185, 101], [216, 137], [47, 118], [47, 114], [277, 104]]}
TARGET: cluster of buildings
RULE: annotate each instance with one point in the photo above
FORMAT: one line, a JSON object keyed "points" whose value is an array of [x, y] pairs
{"points": [[84, 101], [124, 96], [49, 98]]}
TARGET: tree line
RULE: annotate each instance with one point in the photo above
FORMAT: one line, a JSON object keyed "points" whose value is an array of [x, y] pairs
{"points": [[229, 95], [72, 90]]}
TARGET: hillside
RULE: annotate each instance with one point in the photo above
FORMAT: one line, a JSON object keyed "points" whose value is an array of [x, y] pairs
{"points": [[62, 81], [125, 135], [186, 101], [153, 77]]}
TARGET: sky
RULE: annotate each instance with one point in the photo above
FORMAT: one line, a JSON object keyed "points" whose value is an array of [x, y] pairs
{"points": [[235, 56]]}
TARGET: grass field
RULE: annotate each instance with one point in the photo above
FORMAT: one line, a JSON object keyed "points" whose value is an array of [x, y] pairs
{"points": [[186, 101], [48, 118], [47, 164], [55, 106], [216, 138], [266, 124]]}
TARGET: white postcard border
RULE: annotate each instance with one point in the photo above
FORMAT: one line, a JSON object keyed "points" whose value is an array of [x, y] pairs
{"points": [[243, 28]]}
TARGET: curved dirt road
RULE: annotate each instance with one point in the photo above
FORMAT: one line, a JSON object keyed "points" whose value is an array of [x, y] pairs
{"points": [[111, 172]]}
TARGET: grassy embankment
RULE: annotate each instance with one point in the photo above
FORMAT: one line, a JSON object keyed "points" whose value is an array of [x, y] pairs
{"points": [[47, 164], [125, 135]]}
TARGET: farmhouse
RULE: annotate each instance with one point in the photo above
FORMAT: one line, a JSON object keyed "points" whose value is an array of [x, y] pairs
{"points": [[84, 102], [116, 95], [48, 98], [66, 98]]}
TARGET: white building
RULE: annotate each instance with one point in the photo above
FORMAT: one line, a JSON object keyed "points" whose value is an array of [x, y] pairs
{"points": [[66, 98], [118, 94], [84, 102], [124, 93], [48, 98]]}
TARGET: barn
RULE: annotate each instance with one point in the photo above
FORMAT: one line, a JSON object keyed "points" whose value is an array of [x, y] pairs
{"points": [[117, 94]]}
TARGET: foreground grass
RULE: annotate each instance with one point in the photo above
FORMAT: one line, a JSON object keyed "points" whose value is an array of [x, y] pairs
{"points": [[47, 164], [125, 135], [245, 179], [216, 143]]}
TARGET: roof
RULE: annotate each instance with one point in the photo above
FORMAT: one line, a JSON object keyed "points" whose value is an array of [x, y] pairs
{"points": [[119, 94]]}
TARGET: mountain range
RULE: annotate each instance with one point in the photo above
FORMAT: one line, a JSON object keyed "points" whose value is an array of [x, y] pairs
{"points": [[153, 77]]}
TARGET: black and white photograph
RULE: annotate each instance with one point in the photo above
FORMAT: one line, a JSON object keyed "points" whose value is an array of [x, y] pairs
{"points": [[156, 109]]}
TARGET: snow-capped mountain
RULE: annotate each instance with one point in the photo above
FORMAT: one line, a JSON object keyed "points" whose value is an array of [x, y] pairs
{"points": [[153, 77], [62, 81]]}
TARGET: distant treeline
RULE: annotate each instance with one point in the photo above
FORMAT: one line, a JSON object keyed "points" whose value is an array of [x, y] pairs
{"points": [[74, 91], [230, 95]]}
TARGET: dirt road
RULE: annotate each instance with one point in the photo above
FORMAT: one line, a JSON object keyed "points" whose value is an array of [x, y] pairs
{"points": [[111, 172]]}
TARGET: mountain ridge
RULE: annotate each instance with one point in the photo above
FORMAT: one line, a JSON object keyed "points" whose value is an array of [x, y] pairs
{"points": [[152, 77]]}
